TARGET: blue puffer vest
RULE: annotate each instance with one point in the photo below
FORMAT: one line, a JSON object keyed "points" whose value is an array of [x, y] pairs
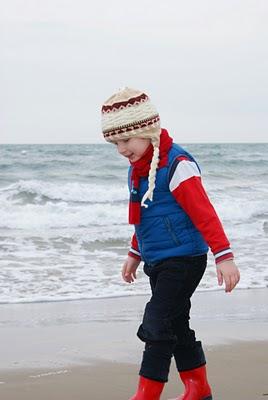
{"points": [[166, 230]]}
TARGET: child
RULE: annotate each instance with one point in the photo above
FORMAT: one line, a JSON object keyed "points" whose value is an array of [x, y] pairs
{"points": [[174, 225]]}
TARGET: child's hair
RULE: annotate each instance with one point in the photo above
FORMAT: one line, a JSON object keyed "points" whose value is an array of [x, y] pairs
{"points": [[130, 113]]}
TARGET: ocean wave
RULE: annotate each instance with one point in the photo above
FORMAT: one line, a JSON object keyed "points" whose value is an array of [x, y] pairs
{"points": [[34, 203], [60, 215], [246, 208], [41, 192]]}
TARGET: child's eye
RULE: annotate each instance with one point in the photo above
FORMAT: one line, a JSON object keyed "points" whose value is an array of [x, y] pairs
{"points": [[121, 140]]}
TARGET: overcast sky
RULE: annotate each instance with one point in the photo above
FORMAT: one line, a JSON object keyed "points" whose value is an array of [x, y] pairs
{"points": [[203, 63]]}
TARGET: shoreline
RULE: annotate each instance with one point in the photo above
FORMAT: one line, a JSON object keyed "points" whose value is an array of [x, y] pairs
{"points": [[121, 296]]}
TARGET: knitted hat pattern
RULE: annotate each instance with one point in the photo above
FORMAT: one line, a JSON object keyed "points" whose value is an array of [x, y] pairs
{"points": [[130, 113]]}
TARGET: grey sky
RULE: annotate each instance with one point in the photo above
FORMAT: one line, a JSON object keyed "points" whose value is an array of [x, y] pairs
{"points": [[203, 63]]}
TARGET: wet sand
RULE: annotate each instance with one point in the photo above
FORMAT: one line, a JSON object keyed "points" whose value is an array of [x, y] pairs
{"points": [[88, 349], [237, 371]]}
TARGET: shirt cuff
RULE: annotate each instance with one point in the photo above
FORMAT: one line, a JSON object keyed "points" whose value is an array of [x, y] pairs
{"points": [[134, 253], [225, 254]]}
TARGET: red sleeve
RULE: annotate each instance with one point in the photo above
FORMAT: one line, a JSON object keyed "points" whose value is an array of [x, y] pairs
{"points": [[134, 249], [187, 188]]}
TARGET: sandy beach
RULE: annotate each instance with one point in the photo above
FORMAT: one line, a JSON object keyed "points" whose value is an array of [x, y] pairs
{"points": [[88, 349]]}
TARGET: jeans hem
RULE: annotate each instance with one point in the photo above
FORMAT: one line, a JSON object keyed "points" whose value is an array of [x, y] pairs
{"points": [[190, 369], [162, 380]]}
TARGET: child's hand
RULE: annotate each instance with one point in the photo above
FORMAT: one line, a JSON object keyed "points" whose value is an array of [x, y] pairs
{"points": [[129, 269], [228, 272]]}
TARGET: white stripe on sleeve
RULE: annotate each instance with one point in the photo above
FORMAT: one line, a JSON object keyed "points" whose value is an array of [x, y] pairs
{"points": [[134, 251], [222, 253], [185, 170]]}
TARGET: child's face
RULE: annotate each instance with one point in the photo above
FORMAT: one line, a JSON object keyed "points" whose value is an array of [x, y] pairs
{"points": [[132, 148]]}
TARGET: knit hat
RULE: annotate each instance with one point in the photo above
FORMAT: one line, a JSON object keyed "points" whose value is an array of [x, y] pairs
{"points": [[129, 113]]}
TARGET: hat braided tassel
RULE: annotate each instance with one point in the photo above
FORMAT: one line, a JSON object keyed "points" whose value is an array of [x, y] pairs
{"points": [[152, 175]]}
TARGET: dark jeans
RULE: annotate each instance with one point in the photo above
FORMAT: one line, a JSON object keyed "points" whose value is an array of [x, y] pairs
{"points": [[165, 327]]}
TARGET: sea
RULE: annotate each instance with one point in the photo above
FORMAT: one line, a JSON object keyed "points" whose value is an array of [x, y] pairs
{"points": [[64, 231]]}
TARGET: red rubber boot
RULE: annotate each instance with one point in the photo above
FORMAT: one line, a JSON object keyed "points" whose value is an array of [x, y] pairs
{"points": [[148, 389], [196, 385]]}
